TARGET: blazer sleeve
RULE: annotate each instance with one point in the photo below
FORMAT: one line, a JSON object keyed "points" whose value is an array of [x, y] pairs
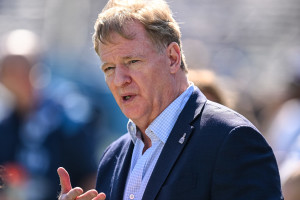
{"points": [[246, 168]]}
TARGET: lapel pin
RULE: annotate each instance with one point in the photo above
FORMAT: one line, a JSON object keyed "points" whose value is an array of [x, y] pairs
{"points": [[181, 140]]}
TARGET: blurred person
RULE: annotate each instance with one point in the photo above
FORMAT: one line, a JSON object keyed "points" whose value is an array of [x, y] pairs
{"points": [[206, 81], [284, 130], [40, 131], [290, 187], [179, 145]]}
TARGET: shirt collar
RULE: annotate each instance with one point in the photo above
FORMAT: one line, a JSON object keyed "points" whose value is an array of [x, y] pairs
{"points": [[163, 124], [132, 129]]}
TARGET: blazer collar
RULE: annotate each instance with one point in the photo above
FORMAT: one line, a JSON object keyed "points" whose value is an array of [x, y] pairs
{"points": [[177, 140]]}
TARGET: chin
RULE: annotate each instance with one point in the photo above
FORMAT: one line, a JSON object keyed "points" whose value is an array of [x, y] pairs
{"points": [[133, 115]]}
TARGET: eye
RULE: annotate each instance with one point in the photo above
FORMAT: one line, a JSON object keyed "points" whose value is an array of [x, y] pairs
{"points": [[108, 70], [133, 61]]}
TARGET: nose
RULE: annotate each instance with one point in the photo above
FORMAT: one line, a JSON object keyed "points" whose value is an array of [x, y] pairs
{"points": [[122, 76]]}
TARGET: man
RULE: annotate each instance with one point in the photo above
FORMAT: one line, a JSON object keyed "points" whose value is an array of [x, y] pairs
{"points": [[179, 145]]}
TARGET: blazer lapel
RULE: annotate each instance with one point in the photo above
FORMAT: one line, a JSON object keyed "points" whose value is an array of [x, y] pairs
{"points": [[177, 140], [121, 172]]}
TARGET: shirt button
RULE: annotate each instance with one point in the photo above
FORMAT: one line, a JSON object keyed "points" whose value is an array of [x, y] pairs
{"points": [[131, 196]]}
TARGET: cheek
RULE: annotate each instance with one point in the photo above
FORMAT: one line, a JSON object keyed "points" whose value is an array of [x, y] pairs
{"points": [[156, 90], [111, 86], [108, 81]]}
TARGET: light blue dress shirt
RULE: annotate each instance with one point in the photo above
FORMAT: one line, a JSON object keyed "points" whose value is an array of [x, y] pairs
{"points": [[158, 131]]}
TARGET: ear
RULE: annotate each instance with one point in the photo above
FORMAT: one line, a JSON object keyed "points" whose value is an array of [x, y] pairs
{"points": [[174, 55]]}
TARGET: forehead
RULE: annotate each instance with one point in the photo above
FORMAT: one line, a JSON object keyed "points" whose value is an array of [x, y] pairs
{"points": [[118, 44]]}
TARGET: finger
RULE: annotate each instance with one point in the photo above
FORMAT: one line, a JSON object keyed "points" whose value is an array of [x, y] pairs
{"points": [[72, 194], [88, 195], [100, 196], [64, 180]]}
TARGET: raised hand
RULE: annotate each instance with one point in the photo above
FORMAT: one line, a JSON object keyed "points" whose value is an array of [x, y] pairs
{"points": [[69, 193]]}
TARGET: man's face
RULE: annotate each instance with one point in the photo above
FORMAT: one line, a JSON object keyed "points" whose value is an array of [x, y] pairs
{"points": [[138, 75]]}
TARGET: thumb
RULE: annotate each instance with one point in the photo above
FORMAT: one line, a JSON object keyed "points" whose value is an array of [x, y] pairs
{"points": [[64, 180]]}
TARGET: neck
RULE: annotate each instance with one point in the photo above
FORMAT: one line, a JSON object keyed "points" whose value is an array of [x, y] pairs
{"points": [[147, 142], [180, 86]]}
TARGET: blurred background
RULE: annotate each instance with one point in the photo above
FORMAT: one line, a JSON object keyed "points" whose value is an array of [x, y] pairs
{"points": [[248, 50]]}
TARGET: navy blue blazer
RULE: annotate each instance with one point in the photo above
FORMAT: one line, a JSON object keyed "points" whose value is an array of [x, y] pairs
{"points": [[223, 157]]}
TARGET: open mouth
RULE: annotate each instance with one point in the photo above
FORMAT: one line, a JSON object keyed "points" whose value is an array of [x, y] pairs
{"points": [[126, 98]]}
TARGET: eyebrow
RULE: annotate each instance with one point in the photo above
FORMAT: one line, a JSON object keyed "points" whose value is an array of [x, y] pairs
{"points": [[124, 58], [131, 57]]}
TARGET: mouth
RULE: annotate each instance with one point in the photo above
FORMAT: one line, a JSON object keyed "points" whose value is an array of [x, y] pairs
{"points": [[127, 98]]}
